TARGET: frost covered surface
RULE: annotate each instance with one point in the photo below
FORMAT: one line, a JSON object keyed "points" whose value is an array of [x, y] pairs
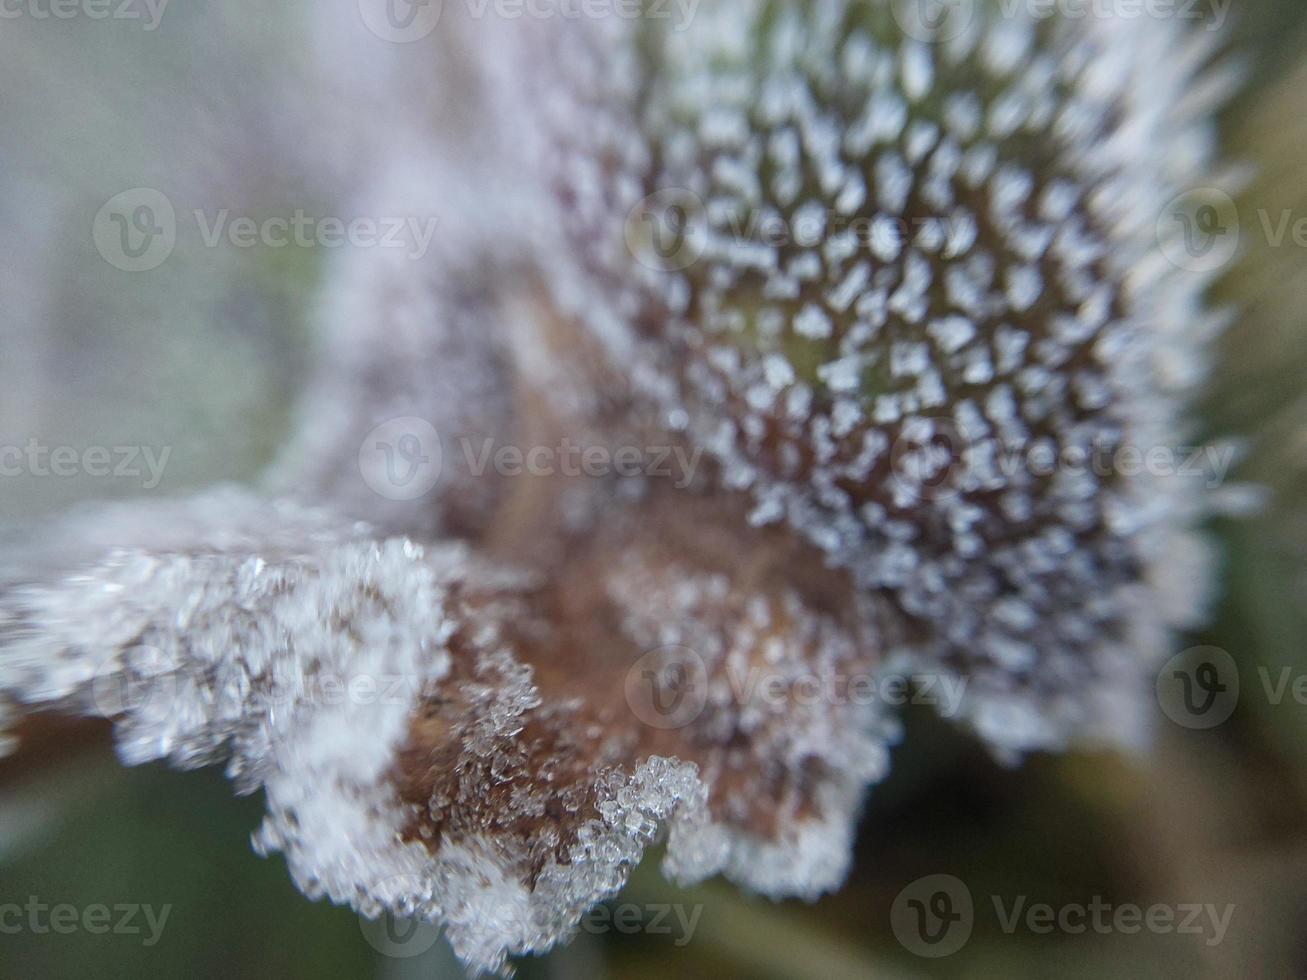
{"points": [[442, 720], [904, 269], [433, 734]]}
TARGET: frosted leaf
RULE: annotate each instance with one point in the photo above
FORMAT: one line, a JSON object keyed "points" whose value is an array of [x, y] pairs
{"points": [[466, 743], [1015, 281], [214, 624], [966, 265], [665, 699]]}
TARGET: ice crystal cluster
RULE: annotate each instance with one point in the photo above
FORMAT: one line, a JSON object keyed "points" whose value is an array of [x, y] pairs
{"points": [[897, 262]]}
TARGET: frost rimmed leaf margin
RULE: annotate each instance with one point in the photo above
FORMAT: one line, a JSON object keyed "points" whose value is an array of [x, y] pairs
{"points": [[210, 638], [206, 650]]}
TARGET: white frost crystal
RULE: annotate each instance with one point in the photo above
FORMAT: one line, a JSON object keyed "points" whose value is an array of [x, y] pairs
{"points": [[965, 273]]}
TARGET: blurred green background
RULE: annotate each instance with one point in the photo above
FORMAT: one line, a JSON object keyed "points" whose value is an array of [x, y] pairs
{"points": [[206, 359]]}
